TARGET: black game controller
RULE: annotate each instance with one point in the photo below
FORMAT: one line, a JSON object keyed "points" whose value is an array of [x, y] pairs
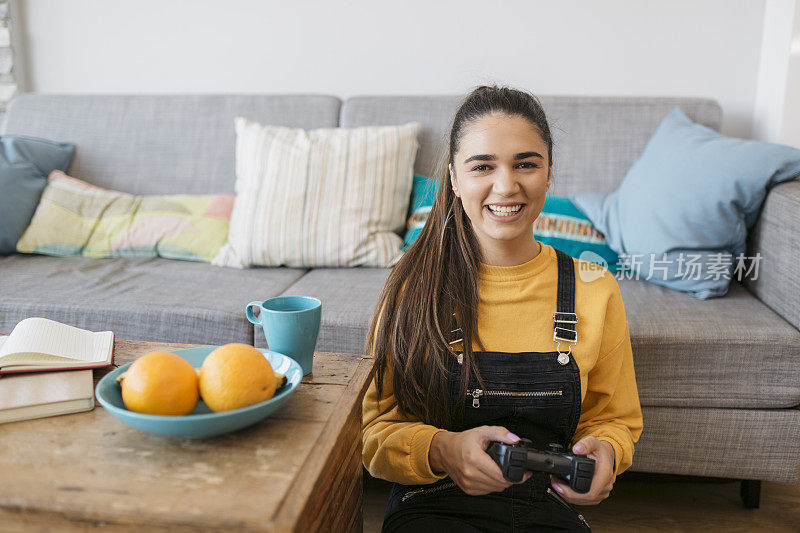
{"points": [[515, 459]]}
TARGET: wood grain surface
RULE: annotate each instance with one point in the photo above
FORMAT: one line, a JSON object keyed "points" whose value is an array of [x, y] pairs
{"points": [[298, 470]]}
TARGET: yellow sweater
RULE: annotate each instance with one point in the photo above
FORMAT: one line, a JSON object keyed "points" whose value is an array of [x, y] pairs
{"points": [[515, 314]]}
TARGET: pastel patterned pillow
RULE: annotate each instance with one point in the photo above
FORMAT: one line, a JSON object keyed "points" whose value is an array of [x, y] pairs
{"points": [[76, 218]]}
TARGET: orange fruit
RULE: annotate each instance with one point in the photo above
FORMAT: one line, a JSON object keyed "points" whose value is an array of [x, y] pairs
{"points": [[236, 375], [160, 383]]}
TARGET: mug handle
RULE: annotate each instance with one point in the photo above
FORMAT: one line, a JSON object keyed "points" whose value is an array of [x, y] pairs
{"points": [[249, 312]]}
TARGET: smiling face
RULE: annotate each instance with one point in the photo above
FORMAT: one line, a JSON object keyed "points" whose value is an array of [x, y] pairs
{"points": [[502, 161]]}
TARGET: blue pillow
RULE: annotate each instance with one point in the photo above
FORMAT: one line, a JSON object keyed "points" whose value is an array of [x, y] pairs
{"points": [[681, 214], [560, 224], [25, 163]]}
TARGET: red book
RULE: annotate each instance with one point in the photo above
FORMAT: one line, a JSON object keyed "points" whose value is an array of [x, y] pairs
{"points": [[39, 345]]}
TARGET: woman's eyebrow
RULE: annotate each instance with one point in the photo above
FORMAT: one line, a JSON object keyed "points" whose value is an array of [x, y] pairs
{"points": [[492, 157], [480, 157], [525, 155]]}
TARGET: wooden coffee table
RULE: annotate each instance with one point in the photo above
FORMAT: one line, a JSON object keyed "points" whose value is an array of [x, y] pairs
{"points": [[298, 470]]}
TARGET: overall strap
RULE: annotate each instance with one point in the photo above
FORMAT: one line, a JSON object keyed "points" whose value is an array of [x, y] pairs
{"points": [[564, 319]]}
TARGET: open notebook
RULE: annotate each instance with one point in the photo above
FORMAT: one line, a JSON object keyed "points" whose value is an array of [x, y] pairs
{"points": [[38, 344]]}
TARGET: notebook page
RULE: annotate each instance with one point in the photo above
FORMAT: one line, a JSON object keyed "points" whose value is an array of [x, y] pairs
{"points": [[40, 335], [103, 343]]}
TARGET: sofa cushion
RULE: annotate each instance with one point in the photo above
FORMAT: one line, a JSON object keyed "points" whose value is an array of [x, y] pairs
{"points": [[595, 139], [150, 299], [159, 144], [730, 443], [730, 352], [349, 298]]}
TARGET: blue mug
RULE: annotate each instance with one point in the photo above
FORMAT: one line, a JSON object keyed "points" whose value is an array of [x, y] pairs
{"points": [[291, 326]]}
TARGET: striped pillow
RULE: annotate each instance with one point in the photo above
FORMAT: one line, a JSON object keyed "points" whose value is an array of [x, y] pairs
{"points": [[328, 197]]}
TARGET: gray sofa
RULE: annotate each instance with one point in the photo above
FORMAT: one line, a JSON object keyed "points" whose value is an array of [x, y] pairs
{"points": [[719, 380]]}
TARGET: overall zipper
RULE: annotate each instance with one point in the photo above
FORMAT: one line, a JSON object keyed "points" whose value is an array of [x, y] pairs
{"points": [[557, 497], [425, 490], [477, 393]]}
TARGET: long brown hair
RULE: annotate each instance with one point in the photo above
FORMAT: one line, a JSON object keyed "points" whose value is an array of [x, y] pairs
{"points": [[436, 277]]}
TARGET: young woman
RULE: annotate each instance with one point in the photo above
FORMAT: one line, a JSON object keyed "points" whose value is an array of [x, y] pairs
{"points": [[550, 358]]}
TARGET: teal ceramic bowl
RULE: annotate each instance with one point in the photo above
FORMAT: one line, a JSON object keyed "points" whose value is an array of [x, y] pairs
{"points": [[202, 422]]}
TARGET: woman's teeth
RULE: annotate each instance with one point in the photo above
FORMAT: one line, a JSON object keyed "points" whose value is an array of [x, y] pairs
{"points": [[505, 211]]}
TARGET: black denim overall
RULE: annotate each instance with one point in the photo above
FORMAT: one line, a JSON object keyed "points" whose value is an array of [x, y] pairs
{"points": [[535, 395]]}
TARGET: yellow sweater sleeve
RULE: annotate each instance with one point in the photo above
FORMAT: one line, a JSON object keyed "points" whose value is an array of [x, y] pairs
{"points": [[610, 410], [395, 448]]}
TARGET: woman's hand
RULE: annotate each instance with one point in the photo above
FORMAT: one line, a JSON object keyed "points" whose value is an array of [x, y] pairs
{"points": [[463, 456], [602, 481]]}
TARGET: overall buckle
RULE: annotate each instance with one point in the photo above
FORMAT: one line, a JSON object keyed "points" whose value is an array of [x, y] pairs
{"points": [[558, 335], [567, 334], [568, 318]]}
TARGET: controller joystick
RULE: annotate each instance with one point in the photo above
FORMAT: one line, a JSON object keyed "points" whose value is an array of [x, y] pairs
{"points": [[515, 459], [554, 447]]}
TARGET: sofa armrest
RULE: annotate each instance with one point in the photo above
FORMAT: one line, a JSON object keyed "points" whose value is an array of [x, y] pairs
{"points": [[776, 236]]}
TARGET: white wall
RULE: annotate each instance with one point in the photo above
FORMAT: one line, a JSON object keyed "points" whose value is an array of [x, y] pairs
{"points": [[790, 128], [779, 68], [707, 48]]}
